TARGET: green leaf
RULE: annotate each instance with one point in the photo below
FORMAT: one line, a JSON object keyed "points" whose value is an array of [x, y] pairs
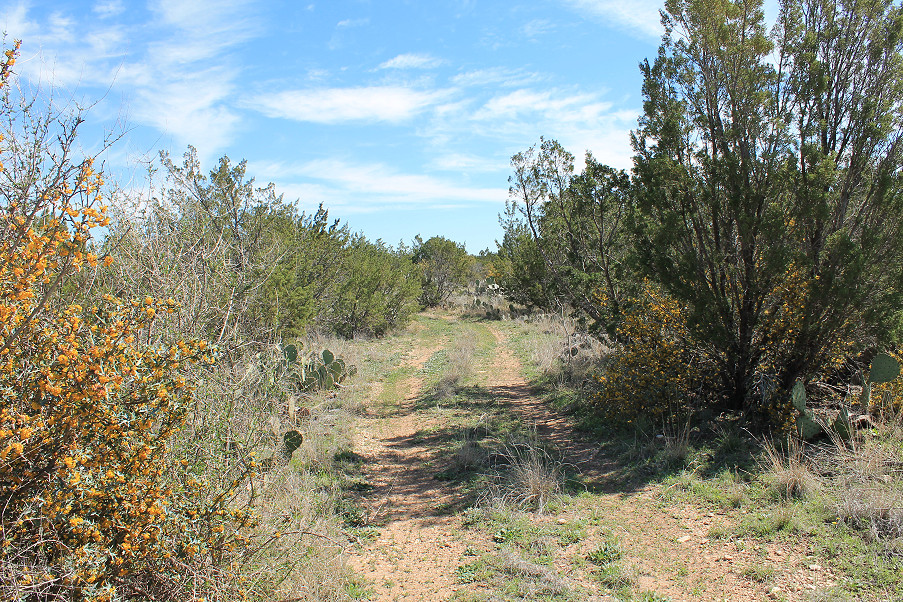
{"points": [[291, 353]]}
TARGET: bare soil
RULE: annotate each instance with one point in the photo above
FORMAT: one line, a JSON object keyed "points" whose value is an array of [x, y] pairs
{"points": [[668, 547]]}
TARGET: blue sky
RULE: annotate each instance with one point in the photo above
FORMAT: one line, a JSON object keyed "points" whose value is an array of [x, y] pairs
{"points": [[399, 116]]}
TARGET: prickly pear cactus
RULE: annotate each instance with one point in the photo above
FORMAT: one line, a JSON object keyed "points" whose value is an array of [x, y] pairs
{"points": [[806, 425], [798, 396], [292, 441], [842, 425], [883, 369], [324, 373]]}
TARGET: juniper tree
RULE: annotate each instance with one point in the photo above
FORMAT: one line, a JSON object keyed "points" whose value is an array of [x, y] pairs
{"points": [[767, 175]]}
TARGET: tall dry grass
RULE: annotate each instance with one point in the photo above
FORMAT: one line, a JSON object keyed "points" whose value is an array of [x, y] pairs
{"points": [[867, 480], [560, 349]]}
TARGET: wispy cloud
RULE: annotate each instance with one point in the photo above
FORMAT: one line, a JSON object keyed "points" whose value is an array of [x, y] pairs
{"points": [[108, 8], [412, 61], [338, 105], [497, 76], [639, 16], [537, 27], [348, 23], [365, 187], [580, 120], [176, 70], [467, 163], [520, 102]]}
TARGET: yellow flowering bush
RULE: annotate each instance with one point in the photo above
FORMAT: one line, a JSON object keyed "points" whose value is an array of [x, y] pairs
{"points": [[654, 373], [93, 503]]}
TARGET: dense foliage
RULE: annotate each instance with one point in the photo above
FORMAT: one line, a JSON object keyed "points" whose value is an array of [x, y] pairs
{"points": [[765, 200], [444, 266], [89, 505], [249, 265], [573, 229], [758, 179]]}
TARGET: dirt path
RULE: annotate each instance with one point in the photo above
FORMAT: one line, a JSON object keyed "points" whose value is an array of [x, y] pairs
{"points": [[417, 550], [668, 548]]}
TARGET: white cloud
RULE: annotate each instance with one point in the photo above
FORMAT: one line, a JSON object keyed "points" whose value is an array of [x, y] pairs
{"points": [[496, 76], [568, 106], [514, 120], [537, 27], [639, 16], [347, 23], [204, 29], [467, 163], [175, 70], [190, 108], [338, 105], [108, 8], [363, 187], [412, 61]]}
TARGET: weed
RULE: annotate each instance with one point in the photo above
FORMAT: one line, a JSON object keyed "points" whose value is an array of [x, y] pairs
{"points": [[472, 572], [758, 572], [571, 534], [788, 475], [613, 577], [533, 476], [606, 553]]}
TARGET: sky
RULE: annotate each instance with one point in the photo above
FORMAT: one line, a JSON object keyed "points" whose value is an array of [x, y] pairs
{"points": [[399, 116]]}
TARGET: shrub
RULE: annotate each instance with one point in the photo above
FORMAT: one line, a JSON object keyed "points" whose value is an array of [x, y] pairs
{"points": [[654, 373], [87, 506]]}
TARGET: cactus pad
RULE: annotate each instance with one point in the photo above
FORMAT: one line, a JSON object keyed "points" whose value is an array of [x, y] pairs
{"points": [[292, 440], [884, 369], [798, 396]]}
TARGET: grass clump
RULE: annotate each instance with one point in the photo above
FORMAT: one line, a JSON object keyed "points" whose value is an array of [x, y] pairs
{"points": [[531, 478], [787, 473]]}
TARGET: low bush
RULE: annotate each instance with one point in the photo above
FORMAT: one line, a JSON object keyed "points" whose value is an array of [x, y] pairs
{"points": [[654, 373]]}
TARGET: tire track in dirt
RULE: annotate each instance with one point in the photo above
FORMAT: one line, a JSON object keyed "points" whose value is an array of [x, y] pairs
{"points": [[417, 549], [669, 546]]}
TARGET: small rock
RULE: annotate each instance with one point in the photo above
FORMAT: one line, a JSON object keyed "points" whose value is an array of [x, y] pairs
{"points": [[814, 567], [684, 539], [562, 521]]}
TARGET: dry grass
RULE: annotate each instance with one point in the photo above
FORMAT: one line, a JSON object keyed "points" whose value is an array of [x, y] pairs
{"points": [[868, 481], [535, 579], [531, 479], [302, 556], [470, 455], [458, 370], [787, 472], [296, 548], [675, 443], [559, 349]]}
